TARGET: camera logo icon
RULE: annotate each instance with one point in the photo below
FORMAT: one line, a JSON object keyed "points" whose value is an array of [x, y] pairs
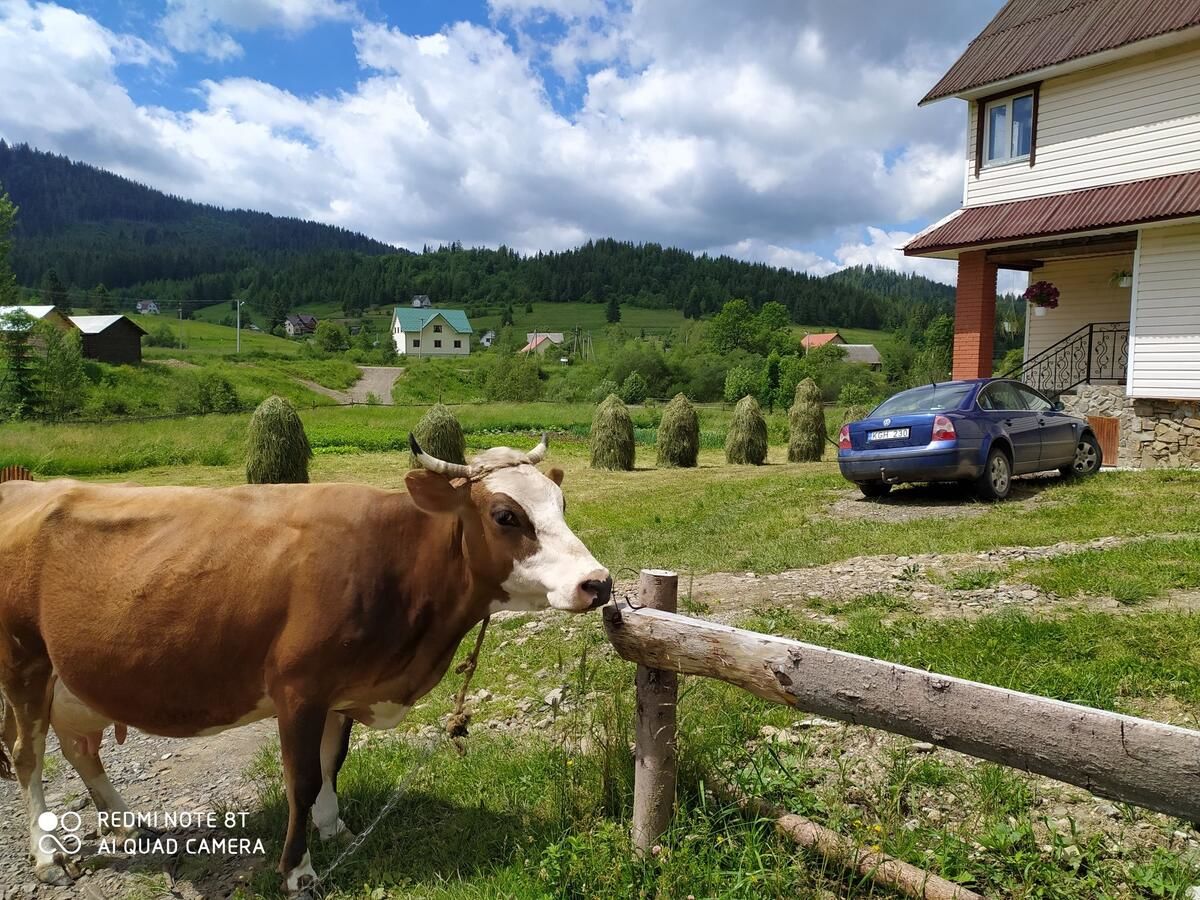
{"points": [[61, 833]]}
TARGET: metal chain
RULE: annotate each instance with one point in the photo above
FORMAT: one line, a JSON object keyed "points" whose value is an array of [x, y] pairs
{"points": [[455, 731]]}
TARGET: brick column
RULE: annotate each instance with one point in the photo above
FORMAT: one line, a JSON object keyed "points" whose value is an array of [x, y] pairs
{"points": [[974, 315]]}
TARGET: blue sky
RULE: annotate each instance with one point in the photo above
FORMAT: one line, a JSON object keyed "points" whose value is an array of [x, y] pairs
{"points": [[780, 130]]}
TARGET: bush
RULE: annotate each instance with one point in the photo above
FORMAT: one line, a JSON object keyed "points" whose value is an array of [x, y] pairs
{"points": [[514, 378], [440, 435], [612, 436], [806, 424], [278, 451], [603, 389], [741, 381], [679, 434], [634, 389], [331, 337], [215, 394], [747, 440], [162, 335]]}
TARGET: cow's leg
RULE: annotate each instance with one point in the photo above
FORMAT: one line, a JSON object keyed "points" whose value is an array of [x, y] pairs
{"points": [[301, 727], [335, 744], [28, 693], [80, 731]]}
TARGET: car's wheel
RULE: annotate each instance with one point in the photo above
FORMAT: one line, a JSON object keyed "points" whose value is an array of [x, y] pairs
{"points": [[996, 480], [874, 488], [1088, 458]]}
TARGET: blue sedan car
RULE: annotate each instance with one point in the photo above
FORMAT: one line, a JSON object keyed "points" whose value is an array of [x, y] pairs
{"points": [[981, 431]]}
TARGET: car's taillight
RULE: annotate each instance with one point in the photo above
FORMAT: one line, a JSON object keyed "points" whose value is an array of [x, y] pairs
{"points": [[943, 429], [844, 438]]}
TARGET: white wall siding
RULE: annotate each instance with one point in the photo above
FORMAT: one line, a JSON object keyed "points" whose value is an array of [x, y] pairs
{"points": [[1165, 356], [1087, 294], [1133, 119], [427, 337]]}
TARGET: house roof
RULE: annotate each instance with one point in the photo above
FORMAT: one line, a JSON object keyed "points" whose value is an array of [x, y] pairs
{"points": [[301, 319], [555, 336], [97, 324], [1030, 35], [1111, 206], [415, 319], [535, 342], [862, 353], [811, 341], [37, 312]]}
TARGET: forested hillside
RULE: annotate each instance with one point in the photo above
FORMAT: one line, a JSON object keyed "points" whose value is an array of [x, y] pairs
{"points": [[79, 227]]}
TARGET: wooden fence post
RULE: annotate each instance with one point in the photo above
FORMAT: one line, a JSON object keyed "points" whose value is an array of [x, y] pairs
{"points": [[654, 756]]}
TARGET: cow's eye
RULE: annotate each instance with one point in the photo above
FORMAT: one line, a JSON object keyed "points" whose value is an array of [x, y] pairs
{"points": [[505, 518]]}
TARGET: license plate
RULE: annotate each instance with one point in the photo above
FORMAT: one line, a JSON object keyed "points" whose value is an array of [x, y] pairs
{"points": [[888, 434]]}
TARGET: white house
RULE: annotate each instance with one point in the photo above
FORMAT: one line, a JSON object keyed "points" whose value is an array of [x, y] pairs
{"points": [[540, 341], [1083, 169], [431, 332], [147, 308]]}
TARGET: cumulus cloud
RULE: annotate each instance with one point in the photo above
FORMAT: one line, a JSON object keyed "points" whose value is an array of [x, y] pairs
{"points": [[203, 26], [761, 128]]}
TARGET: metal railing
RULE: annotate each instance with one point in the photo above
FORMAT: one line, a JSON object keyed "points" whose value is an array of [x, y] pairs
{"points": [[1097, 352]]}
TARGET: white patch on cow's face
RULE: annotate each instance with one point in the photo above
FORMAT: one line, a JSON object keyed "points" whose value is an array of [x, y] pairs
{"points": [[554, 573]]}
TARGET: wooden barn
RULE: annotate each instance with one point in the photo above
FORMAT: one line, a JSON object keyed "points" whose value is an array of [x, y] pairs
{"points": [[110, 339]]}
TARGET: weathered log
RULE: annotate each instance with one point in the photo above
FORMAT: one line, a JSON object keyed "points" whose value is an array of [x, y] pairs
{"points": [[654, 755], [1120, 757], [881, 868]]}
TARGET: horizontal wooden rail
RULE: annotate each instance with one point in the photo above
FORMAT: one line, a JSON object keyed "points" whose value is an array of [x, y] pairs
{"points": [[1145, 763]]}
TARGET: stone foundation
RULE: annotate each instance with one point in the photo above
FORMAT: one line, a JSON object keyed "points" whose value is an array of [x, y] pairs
{"points": [[1155, 434]]}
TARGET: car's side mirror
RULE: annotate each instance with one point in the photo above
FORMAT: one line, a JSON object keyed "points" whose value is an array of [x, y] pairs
{"points": [[1059, 406]]}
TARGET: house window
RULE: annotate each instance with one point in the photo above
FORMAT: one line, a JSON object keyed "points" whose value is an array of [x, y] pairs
{"points": [[416, 344], [437, 344], [437, 329], [458, 345], [1008, 129]]}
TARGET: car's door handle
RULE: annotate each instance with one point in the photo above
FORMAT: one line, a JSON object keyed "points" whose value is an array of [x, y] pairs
{"points": [[1008, 422]]}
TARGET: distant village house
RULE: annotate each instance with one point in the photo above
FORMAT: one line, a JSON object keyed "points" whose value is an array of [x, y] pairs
{"points": [[296, 324], [431, 332], [421, 301], [488, 338], [147, 308], [540, 341], [861, 354]]}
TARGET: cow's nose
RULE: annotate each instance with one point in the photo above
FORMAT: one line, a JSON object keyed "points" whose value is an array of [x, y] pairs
{"points": [[599, 591]]}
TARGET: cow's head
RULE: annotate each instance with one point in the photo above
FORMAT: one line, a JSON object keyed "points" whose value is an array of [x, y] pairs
{"points": [[513, 526]]}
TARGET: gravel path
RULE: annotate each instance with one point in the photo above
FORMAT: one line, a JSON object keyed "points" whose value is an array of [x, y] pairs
{"points": [[376, 381]]}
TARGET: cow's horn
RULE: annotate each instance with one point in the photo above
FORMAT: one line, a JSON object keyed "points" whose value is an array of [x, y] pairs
{"points": [[433, 464], [538, 453]]}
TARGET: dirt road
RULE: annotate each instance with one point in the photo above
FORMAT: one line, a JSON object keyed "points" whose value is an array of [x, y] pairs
{"points": [[376, 381]]}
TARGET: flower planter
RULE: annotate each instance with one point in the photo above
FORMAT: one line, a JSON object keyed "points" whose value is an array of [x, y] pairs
{"points": [[1125, 281], [1039, 310]]}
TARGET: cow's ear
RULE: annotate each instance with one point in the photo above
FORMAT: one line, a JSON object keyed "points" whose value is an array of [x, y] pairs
{"points": [[437, 494], [555, 475]]}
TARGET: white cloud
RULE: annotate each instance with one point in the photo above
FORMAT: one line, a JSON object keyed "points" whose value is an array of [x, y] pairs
{"points": [[202, 26], [764, 127]]}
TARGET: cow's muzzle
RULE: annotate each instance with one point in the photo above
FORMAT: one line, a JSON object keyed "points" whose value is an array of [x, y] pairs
{"points": [[599, 591]]}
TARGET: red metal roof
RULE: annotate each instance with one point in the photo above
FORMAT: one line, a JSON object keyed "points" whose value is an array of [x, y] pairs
{"points": [[809, 341], [1168, 197], [1028, 35]]}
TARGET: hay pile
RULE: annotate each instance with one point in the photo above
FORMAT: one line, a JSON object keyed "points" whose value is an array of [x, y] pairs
{"points": [[612, 436], [440, 435], [679, 434], [747, 440], [277, 448], [806, 424]]}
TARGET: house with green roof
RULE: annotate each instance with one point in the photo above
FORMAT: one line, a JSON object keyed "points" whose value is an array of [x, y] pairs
{"points": [[431, 332]]}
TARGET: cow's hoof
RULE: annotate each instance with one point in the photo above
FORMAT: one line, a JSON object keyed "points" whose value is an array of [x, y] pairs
{"points": [[302, 889], [342, 836], [53, 873]]}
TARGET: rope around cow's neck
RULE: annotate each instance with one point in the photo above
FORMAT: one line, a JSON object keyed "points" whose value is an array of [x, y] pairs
{"points": [[456, 730], [456, 725]]}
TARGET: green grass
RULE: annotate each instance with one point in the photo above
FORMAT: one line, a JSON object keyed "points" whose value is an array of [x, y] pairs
{"points": [[204, 337], [1130, 573], [566, 317], [535, 815]]}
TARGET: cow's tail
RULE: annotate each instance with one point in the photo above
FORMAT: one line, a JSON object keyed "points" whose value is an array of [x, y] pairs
{"points": [[6, 771]]}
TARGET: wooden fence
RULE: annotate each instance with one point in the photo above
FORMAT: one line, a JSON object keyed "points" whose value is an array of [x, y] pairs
{"points": [[15, 473], [1145, 763]]}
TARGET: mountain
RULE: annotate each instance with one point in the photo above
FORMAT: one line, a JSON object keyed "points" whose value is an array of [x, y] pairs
{"points": [[95, 227], [90, 227]]}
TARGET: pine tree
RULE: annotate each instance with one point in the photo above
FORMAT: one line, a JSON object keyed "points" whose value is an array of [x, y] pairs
{"points": [[612, 312], [54, 292], [8, 282], [103, 302]]}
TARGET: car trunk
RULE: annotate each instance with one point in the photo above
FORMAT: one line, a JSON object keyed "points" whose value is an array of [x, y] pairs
{"points": [[919, 425]]}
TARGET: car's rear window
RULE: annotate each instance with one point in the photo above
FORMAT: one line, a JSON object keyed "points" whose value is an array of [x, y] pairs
{"points": [[927, 398]]}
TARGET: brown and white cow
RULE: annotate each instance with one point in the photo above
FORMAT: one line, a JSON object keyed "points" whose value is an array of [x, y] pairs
{"points": [[186, 611]]}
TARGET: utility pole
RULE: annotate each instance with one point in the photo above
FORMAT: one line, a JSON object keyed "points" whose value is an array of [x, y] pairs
{"points": [[239, 324]]}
